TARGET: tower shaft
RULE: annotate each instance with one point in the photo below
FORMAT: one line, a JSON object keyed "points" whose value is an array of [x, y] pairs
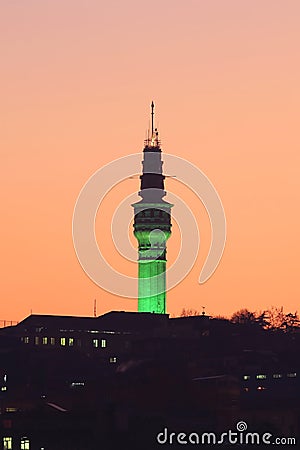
{"points": [[152, 229]]}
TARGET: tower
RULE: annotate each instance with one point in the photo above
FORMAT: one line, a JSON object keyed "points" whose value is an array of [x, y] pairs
{"points": [[152, 228]]}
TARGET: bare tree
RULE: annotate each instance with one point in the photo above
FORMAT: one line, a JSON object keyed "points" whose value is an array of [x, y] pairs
{"points": [[189, 312], [244, 316]]}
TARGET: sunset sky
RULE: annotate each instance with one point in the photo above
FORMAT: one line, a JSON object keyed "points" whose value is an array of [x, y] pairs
{"points": [[77, 79]]}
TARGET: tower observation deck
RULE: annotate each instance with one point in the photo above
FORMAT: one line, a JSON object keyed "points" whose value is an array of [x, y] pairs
{"points": [[152, 228]]}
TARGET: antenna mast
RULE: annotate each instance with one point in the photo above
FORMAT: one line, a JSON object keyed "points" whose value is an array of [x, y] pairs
{"points": [[152, 118]]}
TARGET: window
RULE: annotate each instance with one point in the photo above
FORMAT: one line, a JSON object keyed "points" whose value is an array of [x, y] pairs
{"points": [[63, 341], [71, 342], [95, 343], [45, 340], [25, 445], [36, 340], [112, 359], [79, 342], [103, 343], [7, 443], [246, 377], [277, 375], [26, 340], [292, 375], [52, 341], [261, 377]]}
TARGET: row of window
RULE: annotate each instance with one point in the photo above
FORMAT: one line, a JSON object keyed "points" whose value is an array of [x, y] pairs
{"points": [[8, 442], [63, 341], [275, 375]]}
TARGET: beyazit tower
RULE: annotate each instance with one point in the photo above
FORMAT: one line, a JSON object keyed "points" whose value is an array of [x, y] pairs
{"points": [[152, 228]]}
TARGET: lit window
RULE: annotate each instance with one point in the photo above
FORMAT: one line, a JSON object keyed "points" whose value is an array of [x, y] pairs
{"points": [[277, 375], [3, 388], [36, 340], [62, 341], [25, 445], [261, 377], [7, 443], [292, 375], [246, 377], [103, 343], [26, 340], [71, 342], [52, 341], [45, 340], [95, 343], [112, 359], [261, 388]]}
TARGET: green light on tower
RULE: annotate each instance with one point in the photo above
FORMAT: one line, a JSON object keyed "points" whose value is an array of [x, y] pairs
{"points": [[152, 229]]}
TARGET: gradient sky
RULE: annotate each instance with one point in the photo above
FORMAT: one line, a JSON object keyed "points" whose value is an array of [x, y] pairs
{"points": [[77, 78]]}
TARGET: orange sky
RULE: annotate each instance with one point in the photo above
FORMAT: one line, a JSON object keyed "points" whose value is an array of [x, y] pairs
{"points": [[77, 79]]}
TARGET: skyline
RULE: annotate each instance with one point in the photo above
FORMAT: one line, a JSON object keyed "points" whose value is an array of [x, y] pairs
{"points": [[76, 86]]}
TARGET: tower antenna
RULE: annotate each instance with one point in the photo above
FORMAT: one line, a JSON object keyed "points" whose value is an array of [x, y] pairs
{"points": [[152, 118]]}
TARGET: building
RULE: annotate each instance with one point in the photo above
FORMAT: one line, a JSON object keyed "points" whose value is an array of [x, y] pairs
{"points": [[152, 228]]}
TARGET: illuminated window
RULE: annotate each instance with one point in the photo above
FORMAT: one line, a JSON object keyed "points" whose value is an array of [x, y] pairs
{"points": [[261, 388], [112, 359], [71, 342], [103, 343], [62, 341], [36, 340], [277, 375], [7, 443], [261, 377], [246, 377], [26, 340], [25, 445], [3, 388], [45, 340], [52, 341], [292, 375], [95, 343]]}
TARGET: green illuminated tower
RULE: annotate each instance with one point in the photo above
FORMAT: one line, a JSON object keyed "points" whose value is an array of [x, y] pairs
{"points": [[152, 228]]}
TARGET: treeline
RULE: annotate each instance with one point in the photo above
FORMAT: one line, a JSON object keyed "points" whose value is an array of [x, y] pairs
{"points": [[273, 319]]}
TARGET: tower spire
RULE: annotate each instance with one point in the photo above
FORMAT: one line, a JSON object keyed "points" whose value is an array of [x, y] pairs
{"points": [[152, 118]]}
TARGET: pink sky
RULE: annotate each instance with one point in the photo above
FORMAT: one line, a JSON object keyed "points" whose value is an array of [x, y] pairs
{"points": [[77, 79]]}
